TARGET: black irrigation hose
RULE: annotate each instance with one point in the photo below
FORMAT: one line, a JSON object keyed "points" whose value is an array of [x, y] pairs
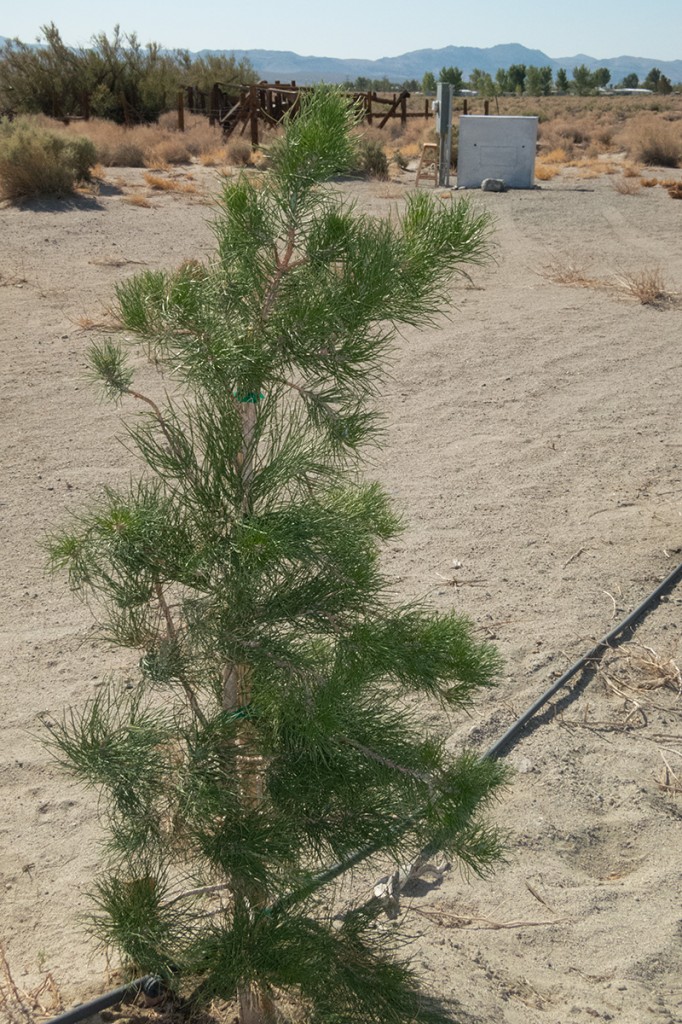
{"points": [[493, 752], [593, 655], [151, 986]]}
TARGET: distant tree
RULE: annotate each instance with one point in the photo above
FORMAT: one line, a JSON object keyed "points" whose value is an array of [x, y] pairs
{"points": [[539, 81], [517, 77], [114, 77], [411, 85], [562, 83], [601, 77], [652, 79], [453, 76], [204, 72], [583, 81], [502, 80], [658, 82], [51, 79], [482, 82], [630, 81], [429, 83]]}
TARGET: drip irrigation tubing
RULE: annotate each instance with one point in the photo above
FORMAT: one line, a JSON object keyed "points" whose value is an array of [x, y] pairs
{"points": [[151, 985], [495, 750]]}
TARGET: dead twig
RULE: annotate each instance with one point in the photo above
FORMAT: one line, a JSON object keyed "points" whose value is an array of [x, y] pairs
{"points": [[669, 780], [477, 923], [538, 897], [573, 557]]}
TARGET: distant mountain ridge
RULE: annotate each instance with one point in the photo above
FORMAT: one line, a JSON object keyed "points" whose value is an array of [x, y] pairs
{"points": [[285, 64]]}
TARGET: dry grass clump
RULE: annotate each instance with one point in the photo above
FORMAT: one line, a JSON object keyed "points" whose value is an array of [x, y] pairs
{"points": [[162, 184], [140, 145], [238, 152], [640, 673], [213, 157], [570, 273], [20, 1006], [631, 170], [136, 199], [661, 146], [653, 141], [199, 136], [647, 286], [168, 151], [627, 186]]}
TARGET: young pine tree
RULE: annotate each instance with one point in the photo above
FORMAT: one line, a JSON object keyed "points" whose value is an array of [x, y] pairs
{"points": [[271, 732]]}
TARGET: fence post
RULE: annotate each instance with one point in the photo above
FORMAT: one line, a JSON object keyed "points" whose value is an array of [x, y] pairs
{"points": [[214, 105], [181, 110], [403, 111], [253, 114], [486, 107]]}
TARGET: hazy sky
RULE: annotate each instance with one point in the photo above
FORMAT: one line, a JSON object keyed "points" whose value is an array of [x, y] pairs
{"points": [[367, 28]]}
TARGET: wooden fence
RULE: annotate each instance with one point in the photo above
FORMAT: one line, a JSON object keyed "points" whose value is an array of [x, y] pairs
{"points": [[265, 104]]}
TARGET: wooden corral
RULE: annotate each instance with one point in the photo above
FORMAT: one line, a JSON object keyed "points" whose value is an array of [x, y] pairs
{"points": [[265, 104]]}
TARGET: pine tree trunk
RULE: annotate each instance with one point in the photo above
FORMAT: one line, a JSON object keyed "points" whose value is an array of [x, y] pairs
{"points": [[255, 1007]]}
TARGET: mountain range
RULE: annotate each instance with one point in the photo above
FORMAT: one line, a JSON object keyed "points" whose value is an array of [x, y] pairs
{"points": [[283, 65], [286, 65]]}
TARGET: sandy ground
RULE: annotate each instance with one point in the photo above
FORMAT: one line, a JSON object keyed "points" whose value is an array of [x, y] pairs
{"points": [[535, 446]]}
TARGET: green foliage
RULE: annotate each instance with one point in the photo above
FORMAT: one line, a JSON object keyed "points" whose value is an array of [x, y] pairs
{"points": [[516, 76], [429, 83], [502, 80], [482, 82], [272, 728], [115, 77], [657, 82], [630, 81], [364, 84], [371, 161], [562, 82], [452, 76], [584, 82], [34, 162], [539, 81], [601, 77]]}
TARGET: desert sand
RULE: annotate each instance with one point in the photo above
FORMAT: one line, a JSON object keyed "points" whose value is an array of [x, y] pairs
{"points": [[534, 445]]}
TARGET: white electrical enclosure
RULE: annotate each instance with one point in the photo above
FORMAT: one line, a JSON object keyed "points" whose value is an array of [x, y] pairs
{"points": [[496, 147]]}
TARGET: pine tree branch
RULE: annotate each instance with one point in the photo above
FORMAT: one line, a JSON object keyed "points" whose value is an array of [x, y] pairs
{"points": [[163, 424], [283, 266], [173, 635], [202, 890], [373, 755]]}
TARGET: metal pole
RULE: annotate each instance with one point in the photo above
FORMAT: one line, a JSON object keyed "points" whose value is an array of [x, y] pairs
{"points": [[444, 125]]}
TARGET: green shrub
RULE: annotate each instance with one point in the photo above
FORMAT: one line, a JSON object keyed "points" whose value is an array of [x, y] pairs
{"points": [[34, 162], [371, 160]]}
